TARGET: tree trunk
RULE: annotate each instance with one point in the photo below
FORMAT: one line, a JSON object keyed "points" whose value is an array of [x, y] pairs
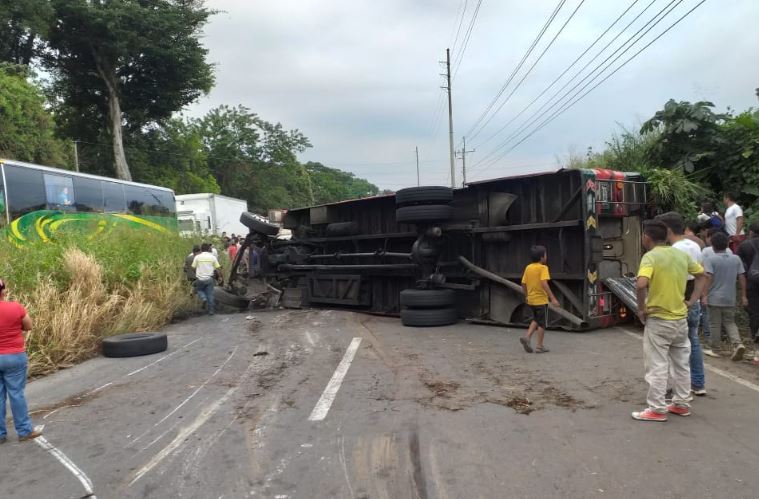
{"points": [[114, 115]]}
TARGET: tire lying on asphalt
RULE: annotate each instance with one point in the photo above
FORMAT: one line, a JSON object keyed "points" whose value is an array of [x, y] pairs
{"points": [[221, 295], [424, 213], [134, 344], [255, 224], [427, 298], [428, 317], [424, 195]]}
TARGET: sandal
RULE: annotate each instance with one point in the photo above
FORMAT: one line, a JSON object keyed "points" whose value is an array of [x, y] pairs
{"points": [[526, 344], [542, 350]]}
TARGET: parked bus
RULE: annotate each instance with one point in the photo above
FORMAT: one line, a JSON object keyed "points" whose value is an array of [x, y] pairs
{"points": [[38, 201], [472, 242]]}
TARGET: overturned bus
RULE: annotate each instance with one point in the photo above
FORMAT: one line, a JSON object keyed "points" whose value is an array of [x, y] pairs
{"points": [[435, 255]]}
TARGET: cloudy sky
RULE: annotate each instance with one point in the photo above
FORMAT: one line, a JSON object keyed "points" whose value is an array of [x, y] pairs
{"points": [[361, 78]]}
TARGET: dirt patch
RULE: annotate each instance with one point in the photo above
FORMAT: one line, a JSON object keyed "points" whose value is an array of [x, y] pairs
{"points": [[443, 389]]}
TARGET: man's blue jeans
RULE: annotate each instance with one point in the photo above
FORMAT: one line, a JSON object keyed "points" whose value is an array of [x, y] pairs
{"points": [[205, 292], [12, 383], [697, 380]]}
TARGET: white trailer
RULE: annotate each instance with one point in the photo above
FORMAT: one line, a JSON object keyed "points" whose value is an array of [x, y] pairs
{"points": [[207, 213]]}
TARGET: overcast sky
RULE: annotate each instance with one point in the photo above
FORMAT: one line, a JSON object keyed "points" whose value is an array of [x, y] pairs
{"points": [[361, 78]]}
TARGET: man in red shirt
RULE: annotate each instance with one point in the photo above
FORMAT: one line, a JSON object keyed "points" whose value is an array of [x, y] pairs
{"points": [[13, 363]]}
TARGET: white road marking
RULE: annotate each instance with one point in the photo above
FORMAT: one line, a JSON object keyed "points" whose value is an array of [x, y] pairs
{"points": [[330, 392], [708, 367], [191, 396], [341, 457], [163, 358], [58, 409], [98, 389], [69, 464], [310, 338], [183, 435]]}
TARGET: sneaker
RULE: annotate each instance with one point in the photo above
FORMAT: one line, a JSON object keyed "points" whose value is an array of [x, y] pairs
{"points": [[649, 415], [699, 392], [738, 353], [31, 436], [542, 350], [711, 353], [525, 344], [680, 410]]}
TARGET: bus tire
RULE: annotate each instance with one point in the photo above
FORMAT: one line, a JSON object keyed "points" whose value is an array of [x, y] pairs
{"points": [[134, 344], [339, 229], [429, 317], [424, 195], [427, 298], [424, 213], [230, 299], [256, 225]]}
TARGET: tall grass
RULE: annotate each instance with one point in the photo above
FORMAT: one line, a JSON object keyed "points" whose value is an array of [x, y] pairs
{"points": [[79, 290]]}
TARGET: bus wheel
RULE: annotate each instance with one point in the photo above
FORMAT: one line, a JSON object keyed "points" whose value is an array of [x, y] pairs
{"points": [[427, 298], [424, 195], [428, 317], [424, 213], [224, 297], [135, 344], [255, 224]]}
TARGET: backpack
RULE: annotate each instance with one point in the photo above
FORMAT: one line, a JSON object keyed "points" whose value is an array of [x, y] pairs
{"points": [[753, 271], [715, 221]]}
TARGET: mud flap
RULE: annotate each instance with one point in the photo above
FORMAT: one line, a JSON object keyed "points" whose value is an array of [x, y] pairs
{"points": [[624, 289]]}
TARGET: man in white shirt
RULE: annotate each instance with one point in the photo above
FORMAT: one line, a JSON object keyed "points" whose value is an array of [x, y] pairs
{"points": [[733, 216], [205, 264], [676, 238]]}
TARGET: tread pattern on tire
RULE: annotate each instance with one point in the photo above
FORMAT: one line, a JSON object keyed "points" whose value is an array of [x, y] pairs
{"points": [[134, 344], [424, 195], [224, 297], [429, 317], [424, 213], [255, 225], [427, 298]]}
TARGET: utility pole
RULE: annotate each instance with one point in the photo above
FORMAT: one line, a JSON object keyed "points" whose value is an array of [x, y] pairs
{"points": [[417, 166], [450, 115], [76, 156], [463, 153]]}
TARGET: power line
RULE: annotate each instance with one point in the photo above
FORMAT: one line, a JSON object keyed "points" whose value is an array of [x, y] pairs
{"points": [[537, 115], [529, 70], [577, 59], [466, 39], [567, 107], [516, 69], [461, 21]]}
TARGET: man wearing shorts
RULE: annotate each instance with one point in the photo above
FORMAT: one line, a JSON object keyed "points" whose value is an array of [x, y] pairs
{"points": [[537, 293]]}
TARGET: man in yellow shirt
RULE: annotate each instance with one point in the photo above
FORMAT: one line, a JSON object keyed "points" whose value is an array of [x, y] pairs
{"points": [[660, 288], [537, 292]]}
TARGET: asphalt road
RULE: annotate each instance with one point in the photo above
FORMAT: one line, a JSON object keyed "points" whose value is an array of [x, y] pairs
{"points": [[455, 412]]}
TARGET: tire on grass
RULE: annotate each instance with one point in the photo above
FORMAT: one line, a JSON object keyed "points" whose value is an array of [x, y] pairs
{"points": [[424, 213], [255, 224], [429, 317], [221, 295], [424, 195], [427, 298], [134, 344]]}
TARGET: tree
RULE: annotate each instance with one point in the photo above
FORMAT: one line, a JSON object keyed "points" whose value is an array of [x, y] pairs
{"points": [[125, 64], [27, 130], [330, 184], [25, 24]]}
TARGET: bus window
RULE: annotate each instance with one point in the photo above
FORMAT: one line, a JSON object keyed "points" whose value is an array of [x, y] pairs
{"points": [[89, 195], [25, 190], [138, 200], [59, 192], [113, 198], [163, 203]]}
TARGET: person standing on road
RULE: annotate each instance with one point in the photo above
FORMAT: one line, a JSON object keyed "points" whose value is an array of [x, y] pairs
{"points": [[706, 253], [14, 321], [723, 270], [537, 292], [676, 238], [660, 289], [748, 251], [206, 265], [733, 221], [189, 272]]}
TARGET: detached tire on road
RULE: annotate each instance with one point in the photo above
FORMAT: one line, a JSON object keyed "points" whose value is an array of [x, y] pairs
{"points": [[250, 221], [424, 213], [134, 344], [427, 298], [221, 295], [429, 317], [424, 195]]}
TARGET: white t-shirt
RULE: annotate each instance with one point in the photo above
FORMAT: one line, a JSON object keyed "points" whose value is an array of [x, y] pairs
{"points": [[204, 265], [691, 248], [731, 219]]}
